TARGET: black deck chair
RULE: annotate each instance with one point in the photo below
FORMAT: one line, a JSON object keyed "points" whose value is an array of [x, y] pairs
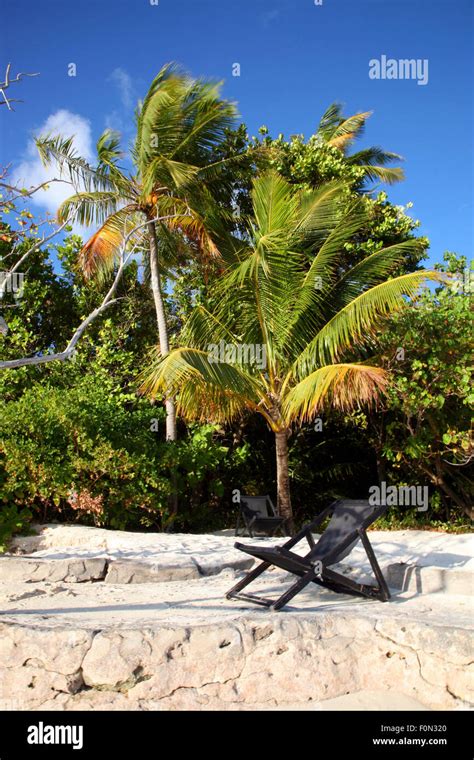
{"points": [[349, 522], [259, 515]]}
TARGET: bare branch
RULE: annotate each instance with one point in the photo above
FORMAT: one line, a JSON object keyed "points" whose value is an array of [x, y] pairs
{"points": [[63, 355], [27, 193], [22, 259], [108, 301], [6, 84]]}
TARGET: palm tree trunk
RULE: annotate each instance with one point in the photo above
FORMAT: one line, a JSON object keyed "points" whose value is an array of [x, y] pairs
{"points": [[283, 479], [171, 431], [171, 434]]}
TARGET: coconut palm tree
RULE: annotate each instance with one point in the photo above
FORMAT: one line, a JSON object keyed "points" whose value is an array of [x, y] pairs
{"points": [[169, 193], [340, 132], [288, 333]]}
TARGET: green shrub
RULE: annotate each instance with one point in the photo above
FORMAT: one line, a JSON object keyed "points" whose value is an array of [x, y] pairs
{"points": [[12, 520], [89, 454]]}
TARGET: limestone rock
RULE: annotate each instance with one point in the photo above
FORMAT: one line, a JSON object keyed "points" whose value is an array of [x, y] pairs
{"points": [[429, 579], [135, 571], [70, 570]]}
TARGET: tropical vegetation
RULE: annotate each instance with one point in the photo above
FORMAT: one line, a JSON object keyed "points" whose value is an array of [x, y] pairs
{"points": [[352, 372]]}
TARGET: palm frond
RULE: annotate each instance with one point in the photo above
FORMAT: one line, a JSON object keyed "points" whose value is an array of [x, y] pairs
{"points": [[204, 328], [160, 123], [320, 211], [371, 271], [99, 255], [359, 320], [344, 386], [208, 116], [373, 155], [108, 148], [90, 207], [172, 174], [309, 308], [346, 132], [329, 121], [203, 388], [327, 259], [389, 175], [275, 207], [109, 154], [60, 150], [191, 223]]}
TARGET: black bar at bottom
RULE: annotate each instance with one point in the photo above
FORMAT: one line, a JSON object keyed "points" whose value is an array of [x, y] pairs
{"points": [[424, 734]]}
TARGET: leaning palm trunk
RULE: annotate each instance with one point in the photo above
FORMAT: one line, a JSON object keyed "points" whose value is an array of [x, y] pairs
{"points": [[162, 326], [171, 433]]}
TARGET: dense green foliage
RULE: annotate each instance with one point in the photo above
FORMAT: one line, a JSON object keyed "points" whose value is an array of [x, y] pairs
{"points": [[76, 441], [423, 432]]}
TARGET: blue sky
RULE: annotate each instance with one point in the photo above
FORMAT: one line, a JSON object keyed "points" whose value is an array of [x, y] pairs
{"points": [[296, 57]]}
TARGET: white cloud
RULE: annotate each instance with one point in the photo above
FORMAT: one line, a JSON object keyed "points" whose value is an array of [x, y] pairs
{"points": [[31, 172], [114, 121], [123, 80]]}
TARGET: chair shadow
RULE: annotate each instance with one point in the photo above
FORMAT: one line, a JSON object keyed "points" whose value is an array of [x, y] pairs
{"points": [[341, 600]]}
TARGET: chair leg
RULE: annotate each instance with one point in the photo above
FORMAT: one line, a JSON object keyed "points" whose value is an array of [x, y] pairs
{"points": [[278, 530], [384, 592], [342, 584], [248, 578], [250, 523], [293, 590], [238, 525]]}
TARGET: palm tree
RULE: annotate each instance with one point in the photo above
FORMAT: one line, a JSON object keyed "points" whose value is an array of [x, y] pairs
{"points": [[179, 125], [339, 131], [287, 296]]}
